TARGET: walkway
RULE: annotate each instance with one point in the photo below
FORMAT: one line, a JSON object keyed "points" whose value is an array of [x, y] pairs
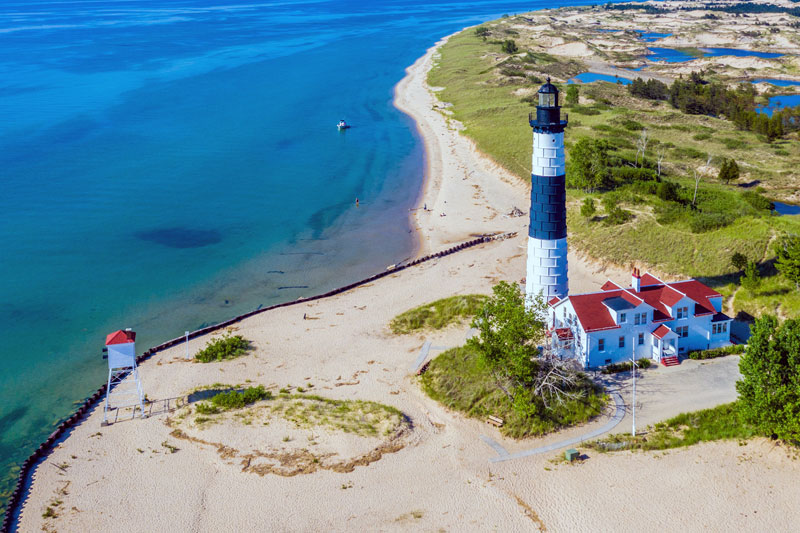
{"points": [[503, 455]]}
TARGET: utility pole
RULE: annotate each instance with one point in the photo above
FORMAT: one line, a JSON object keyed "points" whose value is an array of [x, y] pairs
{"points": [[633, 403]]}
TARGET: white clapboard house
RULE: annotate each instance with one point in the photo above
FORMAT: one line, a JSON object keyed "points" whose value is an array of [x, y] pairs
{"points": [[651, 319]]}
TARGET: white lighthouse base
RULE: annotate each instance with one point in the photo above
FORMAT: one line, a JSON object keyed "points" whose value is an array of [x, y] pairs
{"points": [[547, 268]]}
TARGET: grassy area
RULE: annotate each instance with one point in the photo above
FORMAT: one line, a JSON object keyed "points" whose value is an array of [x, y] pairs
{"points": [[438, 314], [257, 406], [456, 379], [223, 348], [492, 94], [721, 422]]}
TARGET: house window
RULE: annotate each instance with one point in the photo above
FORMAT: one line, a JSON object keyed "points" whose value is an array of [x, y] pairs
{"points": [[622, 342], [682, 331], [637, 319], [621, 318], [601, 345], [641, 339], [644, 317], [657, 343], [683, 312], [725, 327], [714, 329]]}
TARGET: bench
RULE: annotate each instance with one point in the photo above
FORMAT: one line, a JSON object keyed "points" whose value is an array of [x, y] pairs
{"points": [[495, 421]]}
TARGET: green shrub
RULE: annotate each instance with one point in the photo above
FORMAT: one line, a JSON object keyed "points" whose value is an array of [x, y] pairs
{"points": [[205, 408], [233, 399], [757, 201], [667, 191], [703, 222], [630, 174], [222, 348], [618, 216], [626, 366], [688, 153], [584, 110], [717, 352], [733, 144], [457, 379], [512, 72], [632, 125], [701, 136], [438, 314]]}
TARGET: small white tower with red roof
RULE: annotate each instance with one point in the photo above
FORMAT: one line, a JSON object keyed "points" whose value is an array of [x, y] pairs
{"points": [[123, 375]]}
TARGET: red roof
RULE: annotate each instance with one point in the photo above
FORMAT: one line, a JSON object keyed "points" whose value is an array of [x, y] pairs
{"points": [[661, 331], [610, 286], [591, 312], [698, 292], [120, 337], [554, 300], [647, 279], [595, 316]]}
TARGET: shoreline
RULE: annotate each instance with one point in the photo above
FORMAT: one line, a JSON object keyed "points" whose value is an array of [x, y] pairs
{"points": [[346, 352]]}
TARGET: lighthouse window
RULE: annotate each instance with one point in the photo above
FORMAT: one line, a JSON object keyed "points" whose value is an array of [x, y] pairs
{"points": [[547, 99]]}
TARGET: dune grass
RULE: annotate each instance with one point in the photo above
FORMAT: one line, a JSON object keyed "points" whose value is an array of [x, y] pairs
{"points": [[456, 379], [718, 423], [438, 314], [493, 108], [254, 406]]}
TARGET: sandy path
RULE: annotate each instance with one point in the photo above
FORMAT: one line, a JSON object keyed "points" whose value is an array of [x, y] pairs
{"points": [[124, 477]]}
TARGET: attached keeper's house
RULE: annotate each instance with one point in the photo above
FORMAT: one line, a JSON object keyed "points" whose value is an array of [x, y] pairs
{"points": [[651, 319]]}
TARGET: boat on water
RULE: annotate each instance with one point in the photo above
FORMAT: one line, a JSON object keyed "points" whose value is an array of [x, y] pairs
{"points": [[342, 125]]}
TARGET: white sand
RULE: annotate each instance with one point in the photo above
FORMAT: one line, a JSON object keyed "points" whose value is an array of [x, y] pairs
{"points": [[124, 477]]}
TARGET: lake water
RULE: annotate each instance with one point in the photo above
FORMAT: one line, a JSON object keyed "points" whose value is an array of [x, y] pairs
{"points": [[777, 82], [671, 55], [651, 36], [716, 52], [171, 163], [786, 209], [589, 77], [779, 102]]}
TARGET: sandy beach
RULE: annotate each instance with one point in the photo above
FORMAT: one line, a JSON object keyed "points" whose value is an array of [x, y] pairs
{"points": [[435, 473]]}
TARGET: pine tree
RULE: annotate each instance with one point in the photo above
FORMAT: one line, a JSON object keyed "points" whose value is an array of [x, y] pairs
{"points": [[752, 277], [588, 208], [769, 391], [788, 258]]}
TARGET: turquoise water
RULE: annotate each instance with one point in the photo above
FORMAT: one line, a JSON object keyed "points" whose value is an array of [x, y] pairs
{"points": [[589, 77], [169, 164]]}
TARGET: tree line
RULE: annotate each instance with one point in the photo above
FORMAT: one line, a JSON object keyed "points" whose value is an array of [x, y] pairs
{"points": [[696, 96]]}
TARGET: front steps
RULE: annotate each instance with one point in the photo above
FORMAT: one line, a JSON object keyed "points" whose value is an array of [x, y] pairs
{"points": [[671, 360]]}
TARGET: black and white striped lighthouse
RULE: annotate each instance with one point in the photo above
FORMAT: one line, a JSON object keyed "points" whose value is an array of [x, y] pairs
{"points": [[547, 235]]}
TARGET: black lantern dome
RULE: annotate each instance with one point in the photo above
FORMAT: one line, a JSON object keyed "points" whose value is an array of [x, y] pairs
{"points": [[548, 95], [548, 112]]}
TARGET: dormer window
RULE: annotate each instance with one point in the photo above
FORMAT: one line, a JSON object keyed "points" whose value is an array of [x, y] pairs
{"points": [[622, 318], [683, 312]]}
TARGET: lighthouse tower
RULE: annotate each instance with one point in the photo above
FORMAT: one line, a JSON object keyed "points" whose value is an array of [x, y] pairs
{"points": [[547, 235]]}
